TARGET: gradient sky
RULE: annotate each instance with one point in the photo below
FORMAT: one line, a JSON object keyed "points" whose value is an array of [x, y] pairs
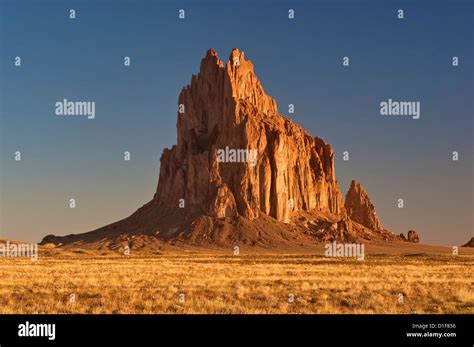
{"points": [[297, 61]]}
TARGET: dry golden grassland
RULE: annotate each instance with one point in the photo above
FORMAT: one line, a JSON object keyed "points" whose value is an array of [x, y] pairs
{"points": [[253, 283]]}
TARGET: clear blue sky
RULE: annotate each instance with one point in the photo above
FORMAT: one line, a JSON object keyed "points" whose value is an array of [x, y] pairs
{"points": [[297, 61]]}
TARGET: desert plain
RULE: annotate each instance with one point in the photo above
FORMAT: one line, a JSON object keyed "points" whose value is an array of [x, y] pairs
{"points": [[394, 277]]}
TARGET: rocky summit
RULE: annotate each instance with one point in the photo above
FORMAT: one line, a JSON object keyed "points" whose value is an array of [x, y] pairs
{"points": [[240, 173], [225, 106]]}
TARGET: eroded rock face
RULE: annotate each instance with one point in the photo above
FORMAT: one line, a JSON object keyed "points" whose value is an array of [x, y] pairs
{"points": [[225, 105], [360, 208], [240, 173]]}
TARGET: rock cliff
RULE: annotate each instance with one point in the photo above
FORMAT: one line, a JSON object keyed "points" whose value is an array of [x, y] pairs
{"points": [[240, 173], [225, 106], [360, 207]]}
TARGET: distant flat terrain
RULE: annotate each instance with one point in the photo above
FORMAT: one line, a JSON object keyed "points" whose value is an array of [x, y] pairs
{"points": [[393, 278]]}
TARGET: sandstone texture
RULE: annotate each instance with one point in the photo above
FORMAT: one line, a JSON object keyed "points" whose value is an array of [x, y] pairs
{"points": [[360, 208], [225, 105]]}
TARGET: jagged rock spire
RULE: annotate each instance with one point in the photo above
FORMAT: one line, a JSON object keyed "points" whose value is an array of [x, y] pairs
{"points": [[226, 105], [360, 208]]}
